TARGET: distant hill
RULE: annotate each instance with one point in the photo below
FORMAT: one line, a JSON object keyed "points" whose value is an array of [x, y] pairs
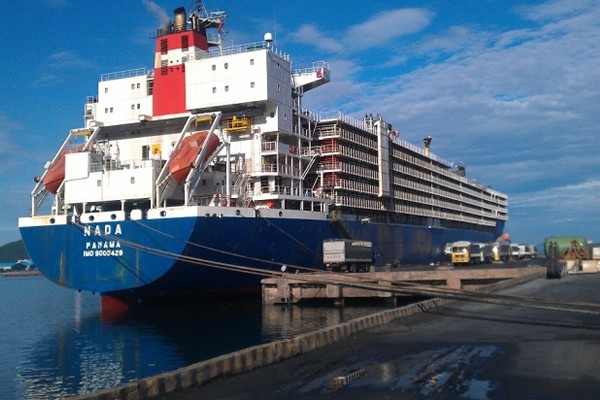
{"points": [[13, 251]]}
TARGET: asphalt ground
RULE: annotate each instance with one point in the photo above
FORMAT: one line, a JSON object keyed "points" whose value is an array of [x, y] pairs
{"points": [[462, 350]]}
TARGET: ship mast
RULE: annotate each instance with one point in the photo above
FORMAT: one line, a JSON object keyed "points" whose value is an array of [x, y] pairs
{"points": [[201, 18]]}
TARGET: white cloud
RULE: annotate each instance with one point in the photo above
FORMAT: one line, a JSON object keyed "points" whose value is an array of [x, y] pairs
{"points": [[47, 79], [309, 34], [558, 9], [385, 27], [455, 38], [519, 107], [539, 84], [69, 59], [579, 196], [378, 31]]}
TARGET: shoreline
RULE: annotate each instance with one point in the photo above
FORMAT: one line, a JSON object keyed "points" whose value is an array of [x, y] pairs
{"points": [[20, 274]]}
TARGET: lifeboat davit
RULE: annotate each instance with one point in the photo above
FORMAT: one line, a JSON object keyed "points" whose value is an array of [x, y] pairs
{"points": [[55, 174], [183, 158]]}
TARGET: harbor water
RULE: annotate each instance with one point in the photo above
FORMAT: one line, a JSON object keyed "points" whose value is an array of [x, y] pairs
{"points": [[55, 342]]}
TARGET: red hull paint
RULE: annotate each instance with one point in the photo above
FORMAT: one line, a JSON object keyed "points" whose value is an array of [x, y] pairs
{"points": [[113, 306]]}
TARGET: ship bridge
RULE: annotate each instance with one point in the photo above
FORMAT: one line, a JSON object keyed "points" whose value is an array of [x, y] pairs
{"points": [[310, 78]]}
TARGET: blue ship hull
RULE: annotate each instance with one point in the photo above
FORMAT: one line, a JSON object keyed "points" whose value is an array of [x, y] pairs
{"points": [[178, 255]]}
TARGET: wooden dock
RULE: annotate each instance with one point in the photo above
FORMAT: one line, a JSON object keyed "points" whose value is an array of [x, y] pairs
{"points": [[293, 288]]}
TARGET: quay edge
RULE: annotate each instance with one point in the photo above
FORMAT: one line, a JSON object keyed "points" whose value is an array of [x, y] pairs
{"points": [[260, 356]]}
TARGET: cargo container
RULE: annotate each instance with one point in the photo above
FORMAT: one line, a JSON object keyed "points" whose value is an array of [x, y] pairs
{"points": [[345, 255]]}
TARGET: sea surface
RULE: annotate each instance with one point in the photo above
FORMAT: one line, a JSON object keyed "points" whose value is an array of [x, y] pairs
{"points": [[55, 342]]}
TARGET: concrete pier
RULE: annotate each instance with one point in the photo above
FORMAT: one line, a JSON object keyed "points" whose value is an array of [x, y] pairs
{"points": [[339, 286]]}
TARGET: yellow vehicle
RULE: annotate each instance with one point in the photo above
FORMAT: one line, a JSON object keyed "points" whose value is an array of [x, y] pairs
{"points": [[464, 252], [501, 251]]}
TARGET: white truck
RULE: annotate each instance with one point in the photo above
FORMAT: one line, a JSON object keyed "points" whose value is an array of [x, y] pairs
{"points": [[524, 251], [346, 255]]}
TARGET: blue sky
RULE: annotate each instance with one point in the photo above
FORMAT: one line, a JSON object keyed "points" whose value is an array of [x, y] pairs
{"points": [[509, 88]]}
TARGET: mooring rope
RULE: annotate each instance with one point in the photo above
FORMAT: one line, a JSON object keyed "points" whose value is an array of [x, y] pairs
{"points": [[334, 278]]}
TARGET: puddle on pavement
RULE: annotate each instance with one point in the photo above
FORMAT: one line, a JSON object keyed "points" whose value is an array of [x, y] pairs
{"points": [[449, 371]]}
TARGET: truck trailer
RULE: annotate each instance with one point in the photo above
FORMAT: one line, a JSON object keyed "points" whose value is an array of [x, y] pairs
{"points": [[345, 255]]}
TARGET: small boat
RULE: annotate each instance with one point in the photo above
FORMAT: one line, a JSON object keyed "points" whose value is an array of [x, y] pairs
{"points": [[193, 152]]}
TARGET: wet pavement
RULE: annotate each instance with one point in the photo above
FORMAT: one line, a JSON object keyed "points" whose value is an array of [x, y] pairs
{"points": [[462, 350]]}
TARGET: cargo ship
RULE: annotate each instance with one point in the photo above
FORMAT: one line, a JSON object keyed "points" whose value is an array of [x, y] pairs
{"points": [[186, 173]]}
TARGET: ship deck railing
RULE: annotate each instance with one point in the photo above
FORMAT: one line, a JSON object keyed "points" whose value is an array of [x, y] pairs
{"points": [[280, 169], [117, 164], [130, 73], [302, 131], [411, 204], [334, 116], [284, 190], [446, 182], [217, 199], [243, 48], [317, 67]]}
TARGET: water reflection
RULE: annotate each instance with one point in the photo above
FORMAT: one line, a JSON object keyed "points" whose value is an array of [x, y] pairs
{"points": [[279, 322], [92, 353]]}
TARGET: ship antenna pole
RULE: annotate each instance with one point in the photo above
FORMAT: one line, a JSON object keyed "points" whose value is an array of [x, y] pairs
{"points": [[220, 16]]}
